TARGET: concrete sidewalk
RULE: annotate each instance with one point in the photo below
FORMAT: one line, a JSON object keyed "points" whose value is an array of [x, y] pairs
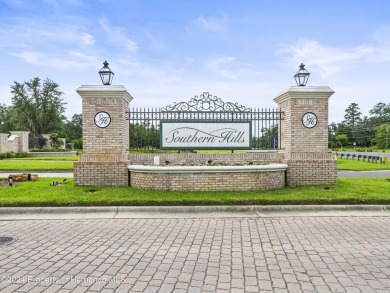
{"points": [[156, 212]]}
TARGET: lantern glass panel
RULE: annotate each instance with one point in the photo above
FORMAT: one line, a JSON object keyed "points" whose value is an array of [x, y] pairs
{"points": [[302, 76], [106, 74]]}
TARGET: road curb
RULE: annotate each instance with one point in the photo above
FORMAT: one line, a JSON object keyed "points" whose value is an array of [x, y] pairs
{"points": [[126, 212]]}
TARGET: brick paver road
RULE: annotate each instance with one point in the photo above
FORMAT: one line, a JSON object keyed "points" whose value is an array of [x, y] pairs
{"points": [[307, 254]]}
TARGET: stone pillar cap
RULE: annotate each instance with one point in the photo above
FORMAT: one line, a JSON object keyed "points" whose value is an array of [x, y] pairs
{"points": [[304, 92], [99, 91]]}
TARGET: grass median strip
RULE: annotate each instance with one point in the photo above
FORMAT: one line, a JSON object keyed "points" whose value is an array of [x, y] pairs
{"points": [[355, 165], [24, 165], [54, 158], [40, 193]]}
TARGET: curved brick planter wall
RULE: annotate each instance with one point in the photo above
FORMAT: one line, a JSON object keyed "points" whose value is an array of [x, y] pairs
{"points": [[208, 178]]}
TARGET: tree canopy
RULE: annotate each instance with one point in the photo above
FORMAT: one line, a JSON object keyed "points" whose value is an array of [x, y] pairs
{"points": [[73, 129], [39, 106], [352, 115], [364, 131]]}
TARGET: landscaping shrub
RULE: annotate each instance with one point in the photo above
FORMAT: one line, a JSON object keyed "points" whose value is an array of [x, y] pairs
{"points": [[42, 141], [55, 142], [10, 155], [48, 150], [78, 143]]}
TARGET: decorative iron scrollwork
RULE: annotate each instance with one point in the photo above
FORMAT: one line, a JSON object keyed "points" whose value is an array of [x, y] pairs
{"points": [[206, 103]]}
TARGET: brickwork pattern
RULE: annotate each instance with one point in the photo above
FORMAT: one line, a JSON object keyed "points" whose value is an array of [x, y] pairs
{"points": [[267, 255], [112, 139], [284, 125], [295, 137], [190, 158], [306, 149], [218, 181], [309, 156], [101, 173], [105, 160], [309, 139], [105, 149], [309, 172]]}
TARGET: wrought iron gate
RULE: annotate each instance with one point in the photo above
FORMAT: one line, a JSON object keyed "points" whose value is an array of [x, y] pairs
{"points": [[145, 123]]}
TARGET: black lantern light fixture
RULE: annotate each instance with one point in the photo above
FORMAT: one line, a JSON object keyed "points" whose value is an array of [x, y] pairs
{"points": [[106, 74], [301, 76]]}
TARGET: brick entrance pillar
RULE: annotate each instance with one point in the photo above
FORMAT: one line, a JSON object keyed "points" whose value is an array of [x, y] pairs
{"points": [[105, 136], [304, 135]]}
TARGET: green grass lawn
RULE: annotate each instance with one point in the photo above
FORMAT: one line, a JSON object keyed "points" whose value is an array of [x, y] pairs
{"points": [[34, 165], [361, 149], [40, 193], [355, 165], [57, 158]]}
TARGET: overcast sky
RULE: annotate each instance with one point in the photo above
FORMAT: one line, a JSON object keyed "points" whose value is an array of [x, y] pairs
{"points": [[166, 51]]}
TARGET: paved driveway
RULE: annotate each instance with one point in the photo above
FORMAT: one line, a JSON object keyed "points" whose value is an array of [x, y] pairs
{"points": [[295, 254]]}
